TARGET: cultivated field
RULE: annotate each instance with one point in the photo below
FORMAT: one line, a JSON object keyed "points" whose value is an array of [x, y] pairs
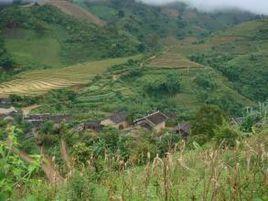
{"points": [[172, 59], [40, 81]]}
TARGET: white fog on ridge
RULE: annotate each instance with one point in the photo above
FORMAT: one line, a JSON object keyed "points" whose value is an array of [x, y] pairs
{"points": [[254, 6]]}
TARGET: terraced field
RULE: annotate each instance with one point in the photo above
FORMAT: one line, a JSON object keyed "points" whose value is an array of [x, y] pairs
{"points": [[172, 59], [40, 81]]}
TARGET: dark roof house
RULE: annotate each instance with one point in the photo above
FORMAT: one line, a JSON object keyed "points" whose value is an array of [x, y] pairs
{"points": [[154, 120], [40, 118]]}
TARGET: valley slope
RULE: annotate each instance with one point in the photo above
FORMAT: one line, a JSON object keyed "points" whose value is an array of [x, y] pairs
{"points": [[173, 39]]}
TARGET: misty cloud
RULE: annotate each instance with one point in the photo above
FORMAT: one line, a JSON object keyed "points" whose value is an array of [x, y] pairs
{"points": [[255, 6]]}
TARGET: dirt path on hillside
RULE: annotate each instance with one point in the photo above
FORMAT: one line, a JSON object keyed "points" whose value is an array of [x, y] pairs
{"points": [[64, 153], [47, 165]]}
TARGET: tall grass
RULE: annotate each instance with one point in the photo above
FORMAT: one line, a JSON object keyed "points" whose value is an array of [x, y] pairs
{"points": [[213, 173], [239, 173]]}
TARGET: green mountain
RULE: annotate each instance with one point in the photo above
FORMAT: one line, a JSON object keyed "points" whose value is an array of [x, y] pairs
{"points": [[43, 36], [240, 54], [71, 70], [131, 27], [56, 35]]}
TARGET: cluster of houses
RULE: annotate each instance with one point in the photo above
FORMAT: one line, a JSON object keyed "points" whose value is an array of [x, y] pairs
{"points": [[155, 121]]}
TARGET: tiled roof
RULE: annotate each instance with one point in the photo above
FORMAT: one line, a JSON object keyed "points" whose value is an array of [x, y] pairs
{"points": [[153, 119]]}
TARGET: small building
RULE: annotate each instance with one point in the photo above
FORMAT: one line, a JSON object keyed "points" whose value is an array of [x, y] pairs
{"points": [[117, 120], [41, 118], [155, 121], [4, 112], [92, 125], [184, 130], [37, 118]]}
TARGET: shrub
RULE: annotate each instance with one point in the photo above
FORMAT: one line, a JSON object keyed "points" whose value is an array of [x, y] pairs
{"points": [[82, 152], [206, 121], [205, 81], [14, 172], [47, 128], [79, 187], [226, 136], [200, 139], [168, 85], [247, 124], [167, 142]]}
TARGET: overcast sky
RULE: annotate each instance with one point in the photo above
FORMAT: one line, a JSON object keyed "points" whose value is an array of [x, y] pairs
{"points": [[255, 6]]}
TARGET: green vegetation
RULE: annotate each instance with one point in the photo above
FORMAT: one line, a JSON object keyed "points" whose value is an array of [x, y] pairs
{"points": [[240, 53], [37, 82], [137, 90], [202, 70], [29, 49], [6, 62], [113, 164], [42, 36], [147, 22], [14, 171]]}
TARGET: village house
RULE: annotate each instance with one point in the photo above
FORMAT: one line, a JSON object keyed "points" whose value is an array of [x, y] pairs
{"points": [[117, 120], [155, 121]]}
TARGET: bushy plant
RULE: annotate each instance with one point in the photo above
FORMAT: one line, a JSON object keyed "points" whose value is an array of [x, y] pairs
{"points": [[82, 152], [205, 81], [168, 84], [14, 172], [226, 135], [79, 187], [166, 143], [206, 121]]}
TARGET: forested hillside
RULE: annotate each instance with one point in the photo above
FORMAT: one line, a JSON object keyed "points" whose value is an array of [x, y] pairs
{"points": [[131, 27], [240, 53], [43, 36]]}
